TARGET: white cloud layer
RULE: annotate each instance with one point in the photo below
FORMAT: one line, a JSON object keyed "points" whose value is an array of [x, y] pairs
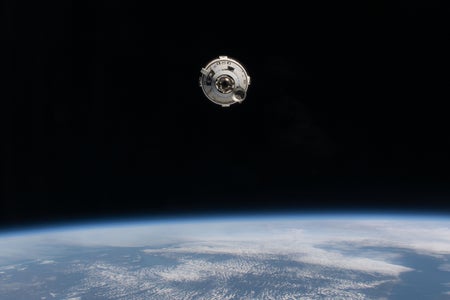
{"points": [[301, 239]]}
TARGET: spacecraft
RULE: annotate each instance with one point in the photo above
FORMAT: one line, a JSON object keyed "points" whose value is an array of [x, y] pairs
{"points": [[224, 81]]}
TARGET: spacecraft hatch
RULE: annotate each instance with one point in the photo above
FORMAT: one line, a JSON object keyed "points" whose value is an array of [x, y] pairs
{"points": [[224, 81]]}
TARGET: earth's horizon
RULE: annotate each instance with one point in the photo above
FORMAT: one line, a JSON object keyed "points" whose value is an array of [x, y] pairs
{"points": [[245, 256]]}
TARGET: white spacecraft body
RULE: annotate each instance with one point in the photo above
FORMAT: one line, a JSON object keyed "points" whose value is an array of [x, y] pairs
{"points": [[224, 81]]}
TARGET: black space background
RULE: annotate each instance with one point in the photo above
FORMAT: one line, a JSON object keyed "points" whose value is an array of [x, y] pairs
{"points": [[102, 115]]}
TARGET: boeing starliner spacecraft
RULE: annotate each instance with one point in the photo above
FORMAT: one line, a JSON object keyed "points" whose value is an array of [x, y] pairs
{"points": [[224, 81]]}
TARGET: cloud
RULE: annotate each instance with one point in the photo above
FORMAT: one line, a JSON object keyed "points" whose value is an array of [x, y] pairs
{"points": [[47, 262], [302, 239], [307, 253], [217, 278], [198, 269]]}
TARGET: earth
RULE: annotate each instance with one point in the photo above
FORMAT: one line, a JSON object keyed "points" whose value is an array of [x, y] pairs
{"points": [[231, 257]]}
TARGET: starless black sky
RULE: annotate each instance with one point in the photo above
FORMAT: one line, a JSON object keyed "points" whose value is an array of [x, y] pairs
{"points": [[103, 116]]}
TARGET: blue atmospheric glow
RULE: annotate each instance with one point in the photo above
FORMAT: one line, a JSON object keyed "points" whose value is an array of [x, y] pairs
{"points": [[215, 218], [348, 254]]}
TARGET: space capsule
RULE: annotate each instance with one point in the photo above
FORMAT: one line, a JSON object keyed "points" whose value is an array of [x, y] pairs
{"points": [[224, 81]]}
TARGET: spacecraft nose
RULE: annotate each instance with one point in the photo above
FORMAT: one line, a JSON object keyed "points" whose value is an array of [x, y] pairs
{"points": [[224, 81]]}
